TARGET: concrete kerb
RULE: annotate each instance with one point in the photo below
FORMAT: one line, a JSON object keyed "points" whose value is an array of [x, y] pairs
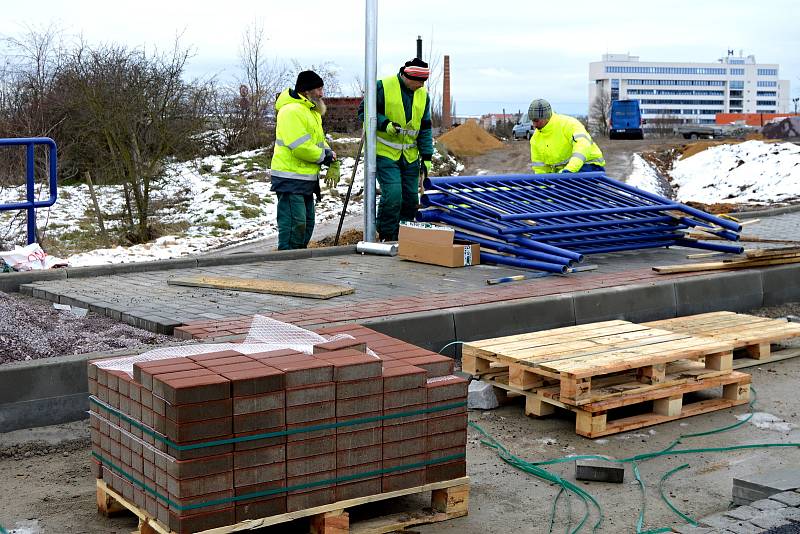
{"points": [[10, 282], [766, 213], [637, 303], [781, 284], [513, 317], [48, 391], [731, 291], [429, 330]]}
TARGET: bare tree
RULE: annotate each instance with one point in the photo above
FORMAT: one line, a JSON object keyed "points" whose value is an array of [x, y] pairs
{"points": [[357, 86], [245, 114], [327, 70], [599, 113], [434, 60], [663, 125], [131, 111]]}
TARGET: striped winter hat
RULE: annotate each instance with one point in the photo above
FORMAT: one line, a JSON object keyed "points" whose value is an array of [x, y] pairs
{"points": [[540, 109], [416, 69]]}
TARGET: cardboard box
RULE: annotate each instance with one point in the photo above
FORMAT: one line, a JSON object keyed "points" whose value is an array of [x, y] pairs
{"points": [[426, 243]]}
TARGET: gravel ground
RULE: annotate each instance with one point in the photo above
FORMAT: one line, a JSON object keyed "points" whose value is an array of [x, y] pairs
{"points": [[31, 329]]}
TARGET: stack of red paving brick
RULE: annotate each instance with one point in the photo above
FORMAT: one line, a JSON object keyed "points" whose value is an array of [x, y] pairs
{"points": [[205, 441]]}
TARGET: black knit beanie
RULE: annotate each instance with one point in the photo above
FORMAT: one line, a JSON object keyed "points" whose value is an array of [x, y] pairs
{"points": [[307, 80]]}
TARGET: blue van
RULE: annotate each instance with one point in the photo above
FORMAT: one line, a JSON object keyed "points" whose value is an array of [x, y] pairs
{"points": [[625, 120]]}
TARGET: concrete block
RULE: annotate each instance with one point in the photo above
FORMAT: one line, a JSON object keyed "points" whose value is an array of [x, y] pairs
{"points": [[743, 513], [772, 519], [599, 471], [514, 317], [766, 484], [780, 284], [200, 485], [789, 498], [735, 291], [636, 303], [767, 504]]}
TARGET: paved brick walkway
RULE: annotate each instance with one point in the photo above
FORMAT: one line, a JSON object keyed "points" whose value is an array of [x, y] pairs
{"points": [[777, 515], [384, 286]]}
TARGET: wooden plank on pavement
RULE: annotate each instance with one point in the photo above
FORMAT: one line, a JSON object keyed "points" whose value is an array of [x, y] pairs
{"points": [[257, 285]]}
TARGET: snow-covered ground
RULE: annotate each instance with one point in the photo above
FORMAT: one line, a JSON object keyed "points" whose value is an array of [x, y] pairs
{"points": [[224, 200], [753, 172]]}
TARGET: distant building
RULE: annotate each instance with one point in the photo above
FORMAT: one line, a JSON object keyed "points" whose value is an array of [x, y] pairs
{"points": [[491, 120], [690, 92], [461, 119], [342, 114]]}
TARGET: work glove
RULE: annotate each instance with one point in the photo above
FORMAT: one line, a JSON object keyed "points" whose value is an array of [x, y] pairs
{"points": [[425, 169], [333, 174], [330, 157], [393, 128]]}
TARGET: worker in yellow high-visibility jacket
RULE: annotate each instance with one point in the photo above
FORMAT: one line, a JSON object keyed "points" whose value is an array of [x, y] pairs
{"points": [[404, 144], [300, 149], [560, 143]]}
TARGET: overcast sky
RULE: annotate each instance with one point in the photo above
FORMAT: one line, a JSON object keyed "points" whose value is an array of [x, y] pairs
{"points": [[502, 53]]}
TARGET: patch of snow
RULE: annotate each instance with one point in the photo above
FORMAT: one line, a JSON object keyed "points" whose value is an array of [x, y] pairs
{"points": [[752, 172], [644, 176], [766, 421]]}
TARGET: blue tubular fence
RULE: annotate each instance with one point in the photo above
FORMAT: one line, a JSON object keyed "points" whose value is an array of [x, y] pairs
{"points": [[549, 221], [31, 204]]}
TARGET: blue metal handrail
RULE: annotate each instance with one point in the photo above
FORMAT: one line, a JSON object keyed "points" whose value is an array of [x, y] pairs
{"points": [[31, 204]]}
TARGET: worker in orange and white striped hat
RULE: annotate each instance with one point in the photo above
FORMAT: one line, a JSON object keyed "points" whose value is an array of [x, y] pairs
{"points": [[404, 140]]}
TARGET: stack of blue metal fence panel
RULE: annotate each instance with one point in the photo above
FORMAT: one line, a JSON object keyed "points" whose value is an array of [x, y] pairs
{"points": [[550, 221]]}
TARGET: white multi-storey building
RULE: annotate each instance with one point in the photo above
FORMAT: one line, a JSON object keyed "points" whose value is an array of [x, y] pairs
{"points": [[690, 92]]}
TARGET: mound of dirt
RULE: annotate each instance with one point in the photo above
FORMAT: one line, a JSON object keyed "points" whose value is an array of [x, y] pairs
{"points": [[348, 237], [469, 139]]}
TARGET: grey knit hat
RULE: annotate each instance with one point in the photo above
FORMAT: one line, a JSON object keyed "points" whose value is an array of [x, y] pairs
{"points": [[540, 109]]}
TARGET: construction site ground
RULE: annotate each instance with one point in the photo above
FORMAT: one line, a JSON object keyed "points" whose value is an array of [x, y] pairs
{"points": [[45, 470]]}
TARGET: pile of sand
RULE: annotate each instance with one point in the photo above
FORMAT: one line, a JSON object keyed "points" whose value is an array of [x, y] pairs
{"points": [[469, 139]]}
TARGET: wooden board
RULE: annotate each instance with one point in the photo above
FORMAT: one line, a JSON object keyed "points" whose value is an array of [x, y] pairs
{"points": [[668, 403], [753, 334], [449, 499], [256, 285], [721, 265]]}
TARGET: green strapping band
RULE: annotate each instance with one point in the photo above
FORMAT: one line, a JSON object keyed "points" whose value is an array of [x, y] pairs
{"points": [[327, 426], [267, 493]]}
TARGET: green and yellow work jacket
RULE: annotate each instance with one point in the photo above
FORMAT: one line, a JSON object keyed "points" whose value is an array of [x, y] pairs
{"points": [[299, 144], [563, 144], [411, 110]]}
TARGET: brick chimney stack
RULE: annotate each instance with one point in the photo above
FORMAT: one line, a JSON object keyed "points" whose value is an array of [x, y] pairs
{"points": [[447, 120]]}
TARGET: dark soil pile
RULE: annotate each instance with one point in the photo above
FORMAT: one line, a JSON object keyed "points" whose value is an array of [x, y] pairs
{"points": [[31, 329]]}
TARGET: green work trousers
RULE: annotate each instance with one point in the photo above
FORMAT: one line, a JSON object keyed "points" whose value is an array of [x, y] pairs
{"points": [[399, 181], [295, 220]]}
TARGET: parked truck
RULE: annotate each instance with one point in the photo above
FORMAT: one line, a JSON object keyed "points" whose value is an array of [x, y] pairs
{"points": [[713, 131]]}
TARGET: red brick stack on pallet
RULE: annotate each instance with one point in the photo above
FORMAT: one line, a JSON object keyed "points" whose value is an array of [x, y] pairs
{"points": [[188, 439]]}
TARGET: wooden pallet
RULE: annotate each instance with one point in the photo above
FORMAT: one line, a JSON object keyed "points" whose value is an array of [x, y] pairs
{"points": [[575, 356], [747, 333], [449, 499], [601, 418]]}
